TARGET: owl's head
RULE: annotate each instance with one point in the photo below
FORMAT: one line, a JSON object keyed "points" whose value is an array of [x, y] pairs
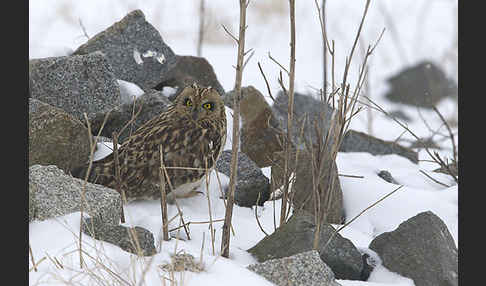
{"points": [[200, 103]]}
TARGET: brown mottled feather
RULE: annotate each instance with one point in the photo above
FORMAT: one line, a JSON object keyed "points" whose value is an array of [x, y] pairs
{"points": [[186, 143]]}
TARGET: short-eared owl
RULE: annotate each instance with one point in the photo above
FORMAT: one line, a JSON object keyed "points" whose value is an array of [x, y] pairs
{"points": [[192, 133]]}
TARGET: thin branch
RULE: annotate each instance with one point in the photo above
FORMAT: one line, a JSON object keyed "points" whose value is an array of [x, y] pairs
{"points": [[229, 33], [248, 59], [256, 216], [266, 82], [200, 39], [436, 181], [83, 28], [351, 176], [450, 133], [225, 241], [349, 59], [358, 215], [179, 210], [279, 64], [290, 112]]}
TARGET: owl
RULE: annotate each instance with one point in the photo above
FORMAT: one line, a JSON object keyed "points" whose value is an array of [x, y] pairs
{"points": [[192, 133]]}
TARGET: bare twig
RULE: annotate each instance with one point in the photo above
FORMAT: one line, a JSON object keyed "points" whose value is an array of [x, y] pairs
{"points": [[266, 82], [200, 38], [163, 197], [451, 135], [358, 215], [279, 64], [117, 175], [83, 190], [229, 33], [349, 59], [325, 46], [32, 258], [248, 59], [38, 262], [436, 181], [134, 116], [211, 228], [290, 113], [351, 176], [195, 222], [179, 210], [434, 156], [256, 216], [83, 28], [225, 242]]}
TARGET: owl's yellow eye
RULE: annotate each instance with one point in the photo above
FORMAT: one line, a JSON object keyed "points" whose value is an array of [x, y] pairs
{"points": [[188, 102], [208, 105]]}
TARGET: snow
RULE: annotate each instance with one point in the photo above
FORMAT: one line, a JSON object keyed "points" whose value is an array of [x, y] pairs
{"points": [[427, 30]]}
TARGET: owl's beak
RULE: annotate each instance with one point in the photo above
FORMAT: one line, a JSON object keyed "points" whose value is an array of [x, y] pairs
{"points": [[194, 114]]}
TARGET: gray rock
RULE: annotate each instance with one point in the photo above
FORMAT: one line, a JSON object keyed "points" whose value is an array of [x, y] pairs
{"points": [[422, 249], [355, 141], [58, 194], [304, 105], [32, 191], [385, 175], [189, 70], [150, 104], [76, 84], [297, 236], [121, 236], [56, 137], [302, 189], [250, 183], [305, 268], [135, 50], [261, 134], [424, 85]]}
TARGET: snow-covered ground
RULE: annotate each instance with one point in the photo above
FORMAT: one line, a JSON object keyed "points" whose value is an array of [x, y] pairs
{"points": [[415, 30]]}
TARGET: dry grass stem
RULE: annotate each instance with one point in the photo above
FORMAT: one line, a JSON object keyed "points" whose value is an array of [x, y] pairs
{"points": [[451, 135], [434, 156], [83, 28], [32, 258], [209, 207], [324, 152], [163, 197], [118, 176], [256, 216], [361, 213], [83, 189], [200, 38], [351, 176], [434, 180], [179, 210], [195, 222]]}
